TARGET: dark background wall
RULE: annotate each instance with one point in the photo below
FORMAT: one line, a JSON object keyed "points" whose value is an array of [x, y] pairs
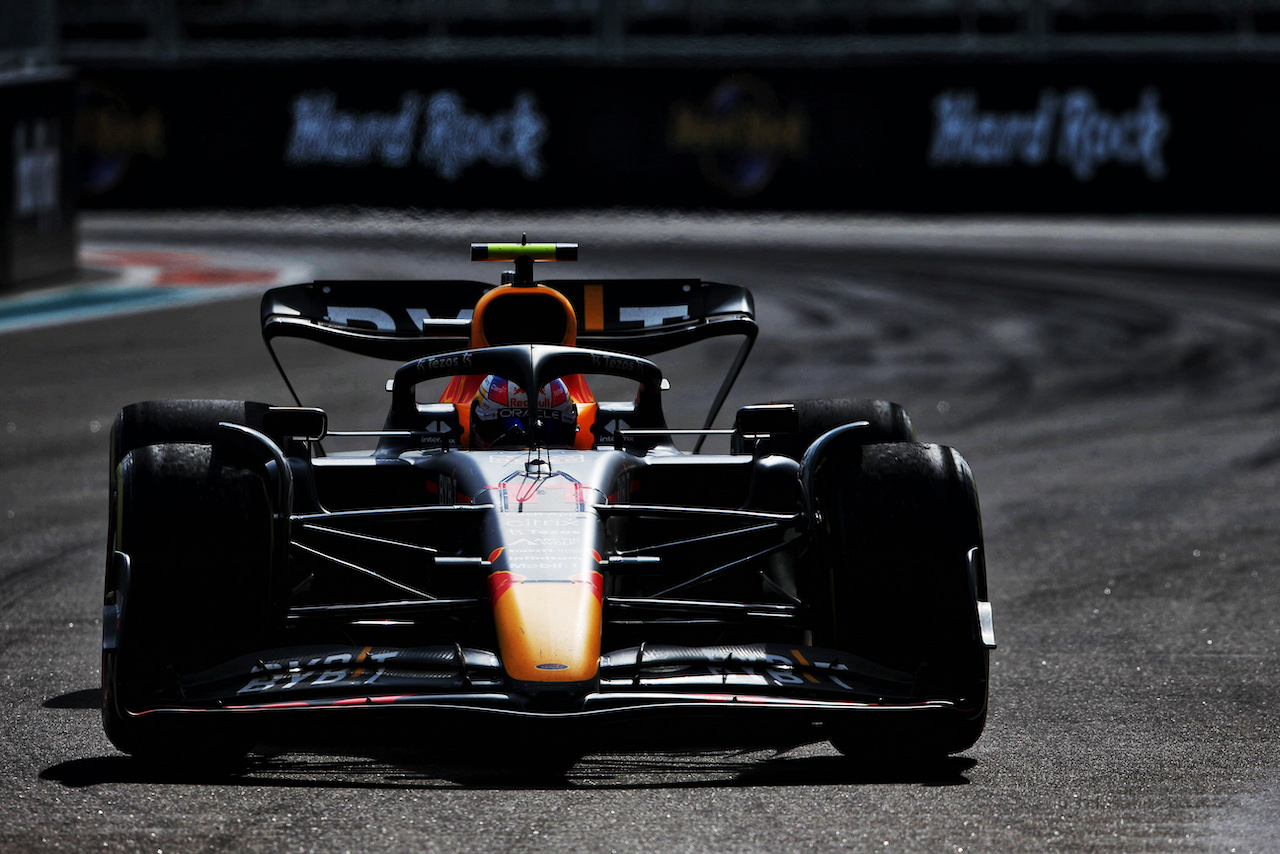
{"points": [[1072, 106], [973, 135], [38, 185]]}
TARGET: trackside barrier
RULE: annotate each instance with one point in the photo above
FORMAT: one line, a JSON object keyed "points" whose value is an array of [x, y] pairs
{"points": [[37, 180], [1069, 136]]}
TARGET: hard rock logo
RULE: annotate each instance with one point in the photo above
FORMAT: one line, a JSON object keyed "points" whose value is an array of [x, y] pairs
{"points": [[740, 134]]}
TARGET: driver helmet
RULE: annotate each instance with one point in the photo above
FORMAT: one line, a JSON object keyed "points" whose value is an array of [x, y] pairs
{"points": [[500, 408]]}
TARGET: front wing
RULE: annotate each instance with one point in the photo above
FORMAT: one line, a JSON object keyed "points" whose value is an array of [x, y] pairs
{"points": [[739, 682]]}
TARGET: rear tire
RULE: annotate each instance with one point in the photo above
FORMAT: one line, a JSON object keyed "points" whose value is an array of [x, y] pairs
{"points": [[197, 527], [899, 521], [157, 422], [888, 422]]}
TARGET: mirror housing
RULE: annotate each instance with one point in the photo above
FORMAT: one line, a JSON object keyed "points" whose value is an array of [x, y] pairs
{"points": [[305, 423], [763, 419]]}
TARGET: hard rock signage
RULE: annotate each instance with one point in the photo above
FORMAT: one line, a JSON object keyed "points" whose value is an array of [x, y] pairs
{"points": [[1070, 130], [436, 132]]}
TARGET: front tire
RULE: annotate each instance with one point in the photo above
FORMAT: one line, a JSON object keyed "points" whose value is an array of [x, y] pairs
{"points": [[195, 590], [899, 526]]}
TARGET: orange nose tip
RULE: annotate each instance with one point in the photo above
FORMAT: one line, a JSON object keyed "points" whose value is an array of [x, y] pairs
{"points": [[549, 631]]}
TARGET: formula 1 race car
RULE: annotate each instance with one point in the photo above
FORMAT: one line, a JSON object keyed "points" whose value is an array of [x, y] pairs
{"points": [[514, 553]]}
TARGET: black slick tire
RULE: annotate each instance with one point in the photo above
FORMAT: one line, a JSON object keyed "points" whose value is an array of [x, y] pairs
{"points": [[899, 523], [196, 526]]}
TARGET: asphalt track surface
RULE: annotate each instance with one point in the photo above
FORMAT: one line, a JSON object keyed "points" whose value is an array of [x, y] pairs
{"points": [[1115, 386]]}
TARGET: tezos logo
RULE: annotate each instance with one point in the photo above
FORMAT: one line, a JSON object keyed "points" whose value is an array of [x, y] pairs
{"points": [[435, 364], [609, 364], [740, 134]]}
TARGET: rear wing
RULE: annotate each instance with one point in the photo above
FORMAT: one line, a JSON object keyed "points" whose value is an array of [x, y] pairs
{"points": [[406, 320]]}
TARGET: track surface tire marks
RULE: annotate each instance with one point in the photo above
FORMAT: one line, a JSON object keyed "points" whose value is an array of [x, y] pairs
{"points": [[1119, 414]]}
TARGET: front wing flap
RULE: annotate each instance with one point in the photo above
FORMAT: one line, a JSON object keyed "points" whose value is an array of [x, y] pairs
{"points": [[651, 678]]}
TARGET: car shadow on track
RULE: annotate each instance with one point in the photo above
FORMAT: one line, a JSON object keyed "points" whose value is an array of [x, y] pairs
{"points": [[605, 772], [754, 769], [89, 698]]}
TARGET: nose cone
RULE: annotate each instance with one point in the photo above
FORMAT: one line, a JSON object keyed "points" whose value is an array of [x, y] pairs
{"points": [[548, 631]]}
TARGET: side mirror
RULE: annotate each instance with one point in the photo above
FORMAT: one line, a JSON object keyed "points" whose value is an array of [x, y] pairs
{"points": [[760, 422], [764, 418], [296, 422]]}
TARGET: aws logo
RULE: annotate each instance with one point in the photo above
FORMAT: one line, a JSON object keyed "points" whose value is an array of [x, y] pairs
{"points": [[740, 134]]}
